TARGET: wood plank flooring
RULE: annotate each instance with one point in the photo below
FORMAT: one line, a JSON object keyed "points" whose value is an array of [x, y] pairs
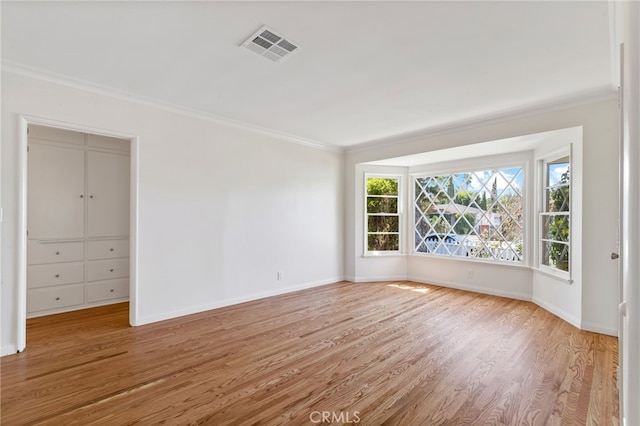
{"points": [[393, 353]]}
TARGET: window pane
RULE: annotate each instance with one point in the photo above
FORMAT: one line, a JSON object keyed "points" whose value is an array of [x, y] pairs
{"points": [[382, 205], [382, 186], [479, 212], [383, 224], [439, 224], [558, 172], [558, 199], [555, 227], [555, 255], [446, 244], [385, 242]]}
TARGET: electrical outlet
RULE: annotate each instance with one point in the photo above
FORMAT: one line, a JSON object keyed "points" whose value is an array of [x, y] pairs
{"points": [[470, 274], [279, 276]]}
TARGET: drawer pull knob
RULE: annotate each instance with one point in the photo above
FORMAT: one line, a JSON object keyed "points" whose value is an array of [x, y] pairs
{"points": [[111, 290], [57, 298], [90, 196], [110, 270], [57, 275], [110, 249], [81, 196], [57, 253]]}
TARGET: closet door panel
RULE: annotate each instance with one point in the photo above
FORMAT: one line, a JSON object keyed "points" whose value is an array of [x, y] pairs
{"points": [[108, 190], [55, 192]]}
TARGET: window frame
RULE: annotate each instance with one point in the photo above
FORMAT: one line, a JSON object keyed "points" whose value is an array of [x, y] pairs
{"points": [[542, 211], [496, 163], [400, 203]]}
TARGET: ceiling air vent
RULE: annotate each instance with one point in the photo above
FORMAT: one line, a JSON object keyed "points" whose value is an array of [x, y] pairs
{"points": [[267, 43]]}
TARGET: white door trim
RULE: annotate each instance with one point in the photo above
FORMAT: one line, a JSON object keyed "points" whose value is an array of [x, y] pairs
{"points": [[24, 122], [622, 329]]}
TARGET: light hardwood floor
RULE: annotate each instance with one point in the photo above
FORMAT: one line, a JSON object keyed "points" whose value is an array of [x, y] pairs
{"points": [[393, 353]]}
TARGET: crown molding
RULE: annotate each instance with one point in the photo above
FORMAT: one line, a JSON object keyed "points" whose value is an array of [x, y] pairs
{"points": [[48, 76], [591, 96], [604, 93]]}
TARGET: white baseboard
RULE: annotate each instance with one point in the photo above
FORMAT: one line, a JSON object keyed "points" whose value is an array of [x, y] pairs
{"points": [[233, 301], [9, 350], [475, 289], [599, 328], [558, 312]]}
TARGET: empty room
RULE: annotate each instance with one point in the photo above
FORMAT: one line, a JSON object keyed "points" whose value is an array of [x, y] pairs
{"points": [[320, 212]]}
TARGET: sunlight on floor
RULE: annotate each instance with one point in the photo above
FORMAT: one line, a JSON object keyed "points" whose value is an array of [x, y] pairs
{"points": [[409, 287]]}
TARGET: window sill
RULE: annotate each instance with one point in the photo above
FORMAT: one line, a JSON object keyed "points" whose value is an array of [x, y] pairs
{"points": [[384, 254], [562, 277]]}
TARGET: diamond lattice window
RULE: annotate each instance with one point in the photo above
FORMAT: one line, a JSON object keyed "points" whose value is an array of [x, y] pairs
{"points": [[477, 214]]}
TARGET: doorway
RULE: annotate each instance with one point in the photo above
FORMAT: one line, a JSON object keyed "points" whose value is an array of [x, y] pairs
{"points": [[94, 289]]}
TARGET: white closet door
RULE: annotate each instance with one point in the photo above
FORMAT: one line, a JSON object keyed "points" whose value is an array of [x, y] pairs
{"points": [[55, 192], [108, 189]]}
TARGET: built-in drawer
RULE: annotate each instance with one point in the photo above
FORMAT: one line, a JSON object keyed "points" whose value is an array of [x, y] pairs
{"points": [[55, 274], [107, 249], [52, 252], [106, 290], [107, 269], [43, 299]]}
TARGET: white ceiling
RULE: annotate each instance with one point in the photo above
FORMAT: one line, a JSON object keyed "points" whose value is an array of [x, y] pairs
{"points": [[365, 71]]}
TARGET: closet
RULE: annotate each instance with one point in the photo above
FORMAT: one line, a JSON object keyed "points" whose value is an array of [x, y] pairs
{"points": [[77, 220]]}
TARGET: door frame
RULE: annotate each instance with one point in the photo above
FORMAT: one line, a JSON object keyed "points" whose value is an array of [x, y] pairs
{"points": [[620, 239], [21, 256]]}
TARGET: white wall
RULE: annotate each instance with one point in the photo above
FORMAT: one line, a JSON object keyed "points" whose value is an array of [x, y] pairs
{"points": [[482, 277], [600, 214], [221, 209], [557, 294], [591, 302]]}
